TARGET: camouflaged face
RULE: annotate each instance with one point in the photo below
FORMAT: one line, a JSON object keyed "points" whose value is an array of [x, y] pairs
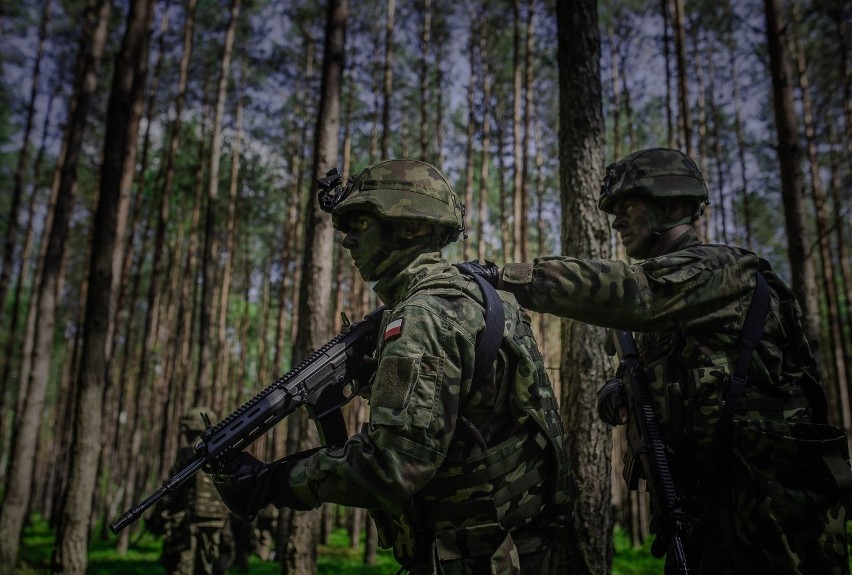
{"points": [[657, 173], [403, 190]]}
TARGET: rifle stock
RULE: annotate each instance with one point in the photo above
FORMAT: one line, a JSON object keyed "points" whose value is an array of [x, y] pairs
{"points": [[646, 447], [323, 383]]}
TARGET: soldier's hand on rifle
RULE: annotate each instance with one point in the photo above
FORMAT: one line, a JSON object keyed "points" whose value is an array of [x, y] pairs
{"points": [[248, 485], [612, 402], [488, 271]]}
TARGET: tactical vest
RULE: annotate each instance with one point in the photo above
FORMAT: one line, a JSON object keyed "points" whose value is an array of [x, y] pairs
{"points": [[469, 507], [688, 393]]}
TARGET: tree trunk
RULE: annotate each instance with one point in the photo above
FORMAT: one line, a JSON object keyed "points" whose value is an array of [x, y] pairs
{"points": [[14, 350], [230, 240], [789, 152], [122, 128], [670, 128], [517, 139], [426, 151], [588, 544], [208, 261], [529, 88], [679, 26], [482, 209], [315, 288], [387, 82], [18, 179], [18, 486], [733, 66], [470, 135], [836, 385]]}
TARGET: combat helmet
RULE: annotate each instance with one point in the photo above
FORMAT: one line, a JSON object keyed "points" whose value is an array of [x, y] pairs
{"points": [[658, 173], [399, 190], [192, 422]]}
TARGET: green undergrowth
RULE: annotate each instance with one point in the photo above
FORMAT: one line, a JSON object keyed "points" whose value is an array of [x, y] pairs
{"points": [[335, 558]]}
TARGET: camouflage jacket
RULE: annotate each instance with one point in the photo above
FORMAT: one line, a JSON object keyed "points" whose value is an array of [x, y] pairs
{"points": [[688, 308], [428, 427]]}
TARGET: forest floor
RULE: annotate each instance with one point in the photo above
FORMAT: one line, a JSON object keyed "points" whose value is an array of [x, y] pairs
{"points": [[335, 558]]}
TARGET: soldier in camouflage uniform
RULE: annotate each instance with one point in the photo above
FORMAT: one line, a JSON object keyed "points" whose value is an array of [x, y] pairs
{"points": [[767, 511], [192, 517], [460, 477]]}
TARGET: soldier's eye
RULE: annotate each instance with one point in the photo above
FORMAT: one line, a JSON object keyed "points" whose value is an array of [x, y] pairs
{"points": [[360, 224], [623, 209]]}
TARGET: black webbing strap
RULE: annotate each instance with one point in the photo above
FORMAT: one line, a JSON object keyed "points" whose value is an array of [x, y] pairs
{"points": [[487, 346], [750, 337], [488, 342]]}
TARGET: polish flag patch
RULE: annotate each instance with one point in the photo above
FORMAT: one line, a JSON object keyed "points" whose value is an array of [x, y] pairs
{"points": [[394, 329]]}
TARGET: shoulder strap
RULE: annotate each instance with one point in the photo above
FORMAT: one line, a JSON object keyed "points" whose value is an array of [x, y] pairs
{"points": [[488, 341], [750, 337], [487, 346]]}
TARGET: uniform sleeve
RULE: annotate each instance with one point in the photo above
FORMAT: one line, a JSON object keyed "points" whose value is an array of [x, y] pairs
{"points": [[414, 401], [688, 288]]}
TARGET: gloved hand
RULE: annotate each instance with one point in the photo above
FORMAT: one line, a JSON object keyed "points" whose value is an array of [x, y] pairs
{"points": [[612, 402], [364, 370], [248, 485], [488, 271]]}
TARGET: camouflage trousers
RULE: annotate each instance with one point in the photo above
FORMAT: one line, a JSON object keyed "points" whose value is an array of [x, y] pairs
{"points": [[530, 556], [779, 508], [192, 551]]}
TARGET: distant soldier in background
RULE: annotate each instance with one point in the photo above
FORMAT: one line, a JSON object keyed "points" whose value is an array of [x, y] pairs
{"points": [[192, 518]]}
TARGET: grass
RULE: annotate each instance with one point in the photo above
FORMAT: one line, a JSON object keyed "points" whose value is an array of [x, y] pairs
{"points": [[332, 559]]}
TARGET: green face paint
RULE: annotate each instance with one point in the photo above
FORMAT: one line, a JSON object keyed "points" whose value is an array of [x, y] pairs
{"points": [[366, 243], [634, 226]]}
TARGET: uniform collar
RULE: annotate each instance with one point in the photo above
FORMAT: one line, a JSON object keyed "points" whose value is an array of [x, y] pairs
{"points": [[685, 240], [398, 281]]}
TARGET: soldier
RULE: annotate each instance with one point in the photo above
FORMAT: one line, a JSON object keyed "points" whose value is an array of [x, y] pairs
{"points": [[463, 471], [192, 517], [765, 511]]}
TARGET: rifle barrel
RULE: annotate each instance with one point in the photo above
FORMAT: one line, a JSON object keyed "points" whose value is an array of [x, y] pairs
{"points": [[169, 485]]}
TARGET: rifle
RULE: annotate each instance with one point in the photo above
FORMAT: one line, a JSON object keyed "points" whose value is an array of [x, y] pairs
{"points": [[323, 383], [646, 445]]}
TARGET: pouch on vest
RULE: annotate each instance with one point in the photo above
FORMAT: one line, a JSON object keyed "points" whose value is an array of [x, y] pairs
{"points": [[805, 456], [478, 542]]}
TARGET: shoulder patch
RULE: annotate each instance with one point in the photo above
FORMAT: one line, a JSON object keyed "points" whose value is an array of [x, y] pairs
{"points": [[394, 329]]}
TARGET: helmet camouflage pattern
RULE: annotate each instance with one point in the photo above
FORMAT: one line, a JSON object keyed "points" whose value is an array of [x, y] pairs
{"points": [[403, 190], [657, 173]]}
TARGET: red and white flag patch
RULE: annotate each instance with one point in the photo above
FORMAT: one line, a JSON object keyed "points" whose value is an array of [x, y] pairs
{"points": [[394, 329]]}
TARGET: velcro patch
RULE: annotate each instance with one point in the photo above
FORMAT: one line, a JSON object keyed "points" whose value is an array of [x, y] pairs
{"points": [[394, 329], [393, 379]]}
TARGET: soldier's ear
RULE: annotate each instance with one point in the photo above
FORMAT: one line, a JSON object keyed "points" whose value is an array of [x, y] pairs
{"points": [[675, 209]]}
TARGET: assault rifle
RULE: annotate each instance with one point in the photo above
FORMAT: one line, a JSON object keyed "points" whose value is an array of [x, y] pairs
{"points": [[323, 383], [646, 448]]}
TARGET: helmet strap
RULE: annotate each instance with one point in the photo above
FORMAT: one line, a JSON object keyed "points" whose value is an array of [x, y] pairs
{"points": [[657, 228]]}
